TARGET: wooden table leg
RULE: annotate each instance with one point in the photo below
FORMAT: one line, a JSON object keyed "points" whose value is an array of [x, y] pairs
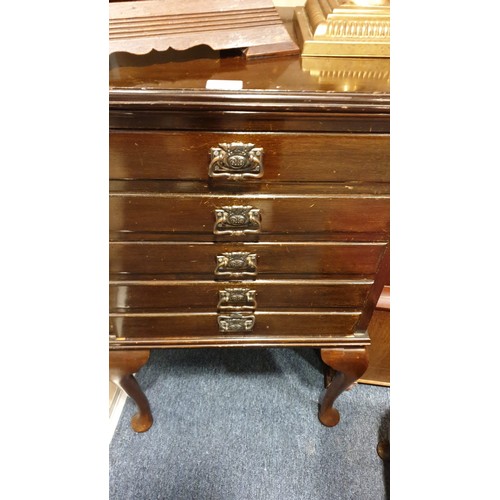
{"points": [[122, 366], [348, 366]]}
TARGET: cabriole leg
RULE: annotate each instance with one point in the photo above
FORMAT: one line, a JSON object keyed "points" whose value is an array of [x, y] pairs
{"points": [[348, 366], [122, 366]]}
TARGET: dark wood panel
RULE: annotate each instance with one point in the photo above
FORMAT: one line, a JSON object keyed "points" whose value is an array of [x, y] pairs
{"points": [[170, 214], [268, 324], [192, 295], [248, 188], [378, 372], [357, 340], [256, 120], [381, 280], [287, 157], [178, 259], [117, 236], [289, 100]]}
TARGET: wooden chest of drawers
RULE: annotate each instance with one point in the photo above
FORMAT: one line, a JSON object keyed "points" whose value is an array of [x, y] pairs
{"points": [[257, 217]]}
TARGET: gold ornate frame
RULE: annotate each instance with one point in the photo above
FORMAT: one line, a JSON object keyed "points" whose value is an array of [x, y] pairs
{"points": [[345, 28]]}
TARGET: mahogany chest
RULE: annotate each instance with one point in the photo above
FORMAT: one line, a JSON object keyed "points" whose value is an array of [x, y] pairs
{"points": [[251, 218]]}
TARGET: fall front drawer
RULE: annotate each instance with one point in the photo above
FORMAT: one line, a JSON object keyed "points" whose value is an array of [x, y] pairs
{"points": [[173, 214], [143, 296], [286, 156], [203, 260], [248, 326]]}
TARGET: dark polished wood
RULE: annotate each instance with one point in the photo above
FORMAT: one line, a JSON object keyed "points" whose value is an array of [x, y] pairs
{"points": [[380, 282], [184, 155], [122, 366], [384, 450], [348, 365], [161, 295], [166, 90], [240, 340], [198, 260], [292, 215], [250, 188], [292, 120], [272, 324], [318, 260], [378, 372]]}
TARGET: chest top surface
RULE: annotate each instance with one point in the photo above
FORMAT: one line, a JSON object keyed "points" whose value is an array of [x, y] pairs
{"points": [[294, 91]]}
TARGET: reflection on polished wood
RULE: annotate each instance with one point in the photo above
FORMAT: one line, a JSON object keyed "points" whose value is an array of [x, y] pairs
{"points": [[348, 28], [291, 78], [349, 74]]}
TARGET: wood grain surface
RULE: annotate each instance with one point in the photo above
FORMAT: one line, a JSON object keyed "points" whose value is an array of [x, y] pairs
{"points": [[185, 260], [143, 26], [170, 213], [267, 324], [287, 157], [378, 372], [156, 295]]}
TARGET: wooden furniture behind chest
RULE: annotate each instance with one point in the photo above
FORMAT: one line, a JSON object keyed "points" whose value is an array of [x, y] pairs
{"points": [[249, 218]]}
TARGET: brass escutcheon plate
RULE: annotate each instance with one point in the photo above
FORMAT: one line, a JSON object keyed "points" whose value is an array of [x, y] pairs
{"points": [[236, 265], [236, 161], [237, 220], [236, 323], [237, 298]]}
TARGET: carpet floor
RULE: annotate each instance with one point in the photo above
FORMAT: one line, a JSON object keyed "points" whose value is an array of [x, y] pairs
{"points": [[241, 424]]}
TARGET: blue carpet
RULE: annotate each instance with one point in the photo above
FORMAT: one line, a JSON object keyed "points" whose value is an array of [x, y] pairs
{"points": [[241, 424]]}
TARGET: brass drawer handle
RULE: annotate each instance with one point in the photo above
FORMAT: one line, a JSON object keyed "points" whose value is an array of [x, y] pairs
{"points": [[236, 161], [236, 323], [236, 265], [237, 220], [237, 298]]}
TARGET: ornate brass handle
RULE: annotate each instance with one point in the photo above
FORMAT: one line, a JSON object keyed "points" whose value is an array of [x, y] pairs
{"points": [[237, 220], [236, 322], [236, 161], [237, 298], [236, 265]]}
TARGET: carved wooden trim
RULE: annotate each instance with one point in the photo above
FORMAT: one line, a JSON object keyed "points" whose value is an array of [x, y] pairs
{"points": [[240, 341], [249, 100], [255, 25]]}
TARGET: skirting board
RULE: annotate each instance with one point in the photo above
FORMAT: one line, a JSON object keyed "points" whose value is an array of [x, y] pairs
{"points": [[116, 404]]}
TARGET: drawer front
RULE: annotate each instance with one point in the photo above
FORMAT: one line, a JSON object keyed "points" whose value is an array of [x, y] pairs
{"points": [[200, 260], [172, 215], [132, 296], [257, 325], [286, 156]]}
